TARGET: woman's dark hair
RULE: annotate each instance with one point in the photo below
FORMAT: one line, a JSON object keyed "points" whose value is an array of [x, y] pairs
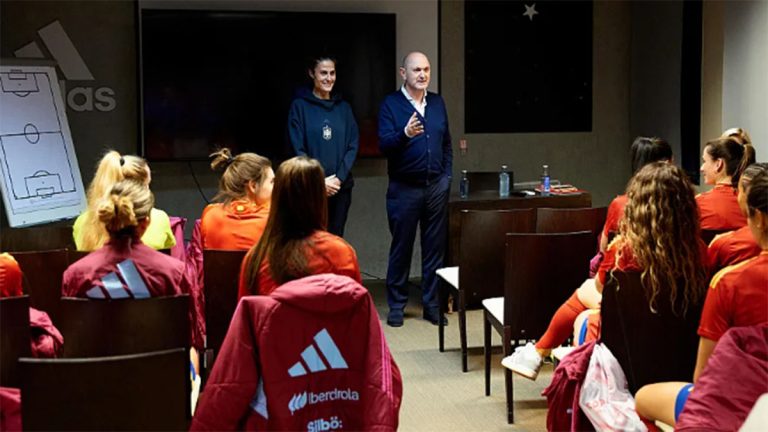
{"points": [[299, 208], [312, 62], [757, 198], [238, 171], [646, 150], [751, 172], [737, 157]]}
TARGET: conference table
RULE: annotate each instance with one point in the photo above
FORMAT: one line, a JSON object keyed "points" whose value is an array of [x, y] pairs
{"points": [[490, 200]]}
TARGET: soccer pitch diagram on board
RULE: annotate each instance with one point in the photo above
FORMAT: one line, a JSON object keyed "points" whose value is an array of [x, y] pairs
{"points": [[40, 177]]}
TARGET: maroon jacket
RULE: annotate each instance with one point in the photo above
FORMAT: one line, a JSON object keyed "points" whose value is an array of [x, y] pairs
{"points": [[735, 377], [47, 341], [310, 356], [162, 274], [564, 413]]}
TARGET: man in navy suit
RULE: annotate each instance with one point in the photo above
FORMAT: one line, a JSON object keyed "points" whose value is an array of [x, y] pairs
{"points": [[414, 135]]}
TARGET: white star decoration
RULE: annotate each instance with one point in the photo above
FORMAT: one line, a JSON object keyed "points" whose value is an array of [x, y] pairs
{"points": [[530, 11]]}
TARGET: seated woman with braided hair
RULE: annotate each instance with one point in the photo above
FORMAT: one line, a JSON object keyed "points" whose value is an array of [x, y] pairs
{"points": [[124, 213]]}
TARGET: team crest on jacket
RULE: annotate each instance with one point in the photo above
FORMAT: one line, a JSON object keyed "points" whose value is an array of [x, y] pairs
{"points": [[327, 133]]}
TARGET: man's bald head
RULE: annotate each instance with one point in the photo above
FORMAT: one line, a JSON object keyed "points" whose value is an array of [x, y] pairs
{"points": [[414, 56], [415, 72]]}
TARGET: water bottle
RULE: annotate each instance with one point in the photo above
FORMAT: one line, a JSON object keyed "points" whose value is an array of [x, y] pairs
{"points": [[464, 185], [503, 182], [545, 188]]}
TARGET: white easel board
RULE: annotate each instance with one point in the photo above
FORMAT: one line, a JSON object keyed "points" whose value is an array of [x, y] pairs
{"points": [[41, 180]]}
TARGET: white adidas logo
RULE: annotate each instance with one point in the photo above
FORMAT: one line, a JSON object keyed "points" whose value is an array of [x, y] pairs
{"points": [[312, 358], [72, 65]]}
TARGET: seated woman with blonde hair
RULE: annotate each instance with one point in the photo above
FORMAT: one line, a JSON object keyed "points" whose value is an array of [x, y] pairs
{"points": [[125, 267], [89, 234], [295, 243]]}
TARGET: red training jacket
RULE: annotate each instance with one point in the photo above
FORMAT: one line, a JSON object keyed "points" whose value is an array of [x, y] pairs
{"points": [[310, 356]]}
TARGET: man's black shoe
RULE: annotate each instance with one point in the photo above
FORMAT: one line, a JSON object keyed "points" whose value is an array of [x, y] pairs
{"points": [[432, 315], [395, 318]]}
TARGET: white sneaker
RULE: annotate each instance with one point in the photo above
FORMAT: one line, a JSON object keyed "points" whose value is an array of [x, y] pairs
{"points": [[525, 361]]}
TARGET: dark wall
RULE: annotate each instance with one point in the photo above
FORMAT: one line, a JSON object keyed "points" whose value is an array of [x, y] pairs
{"points": [[104, 34]]}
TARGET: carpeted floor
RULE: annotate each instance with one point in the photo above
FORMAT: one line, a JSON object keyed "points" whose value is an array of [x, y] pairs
{"points": [[437, 396]]}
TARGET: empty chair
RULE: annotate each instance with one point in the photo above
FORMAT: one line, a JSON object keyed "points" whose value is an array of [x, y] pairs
{"points": [[93, 328], [637, 336], [221, 270], [43, 271], [148, 391], [14, 337], [560, 220], [540, 271], [481, 264]]}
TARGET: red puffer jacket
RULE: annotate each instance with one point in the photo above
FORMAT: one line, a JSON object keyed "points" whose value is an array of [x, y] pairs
{"points": [[310, 356]]}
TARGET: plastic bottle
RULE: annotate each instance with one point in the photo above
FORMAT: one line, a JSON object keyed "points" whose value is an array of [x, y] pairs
{"points": [[503, 182], [545, 187], [464, 185]]}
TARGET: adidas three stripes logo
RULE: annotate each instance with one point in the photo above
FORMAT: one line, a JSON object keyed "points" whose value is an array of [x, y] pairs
{"points": [[313, 360]]}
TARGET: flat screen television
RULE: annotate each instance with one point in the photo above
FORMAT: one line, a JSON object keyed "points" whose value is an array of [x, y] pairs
{"points": [[211, 79]]}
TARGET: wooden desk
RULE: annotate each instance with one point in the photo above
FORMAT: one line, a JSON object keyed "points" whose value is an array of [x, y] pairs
{"points": [[489, 200]]}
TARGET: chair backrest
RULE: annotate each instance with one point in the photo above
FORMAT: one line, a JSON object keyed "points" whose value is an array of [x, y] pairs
{"points": [[75, 255], [43, 271], [148, 391], [541, 272], [650, 347], [93, 328], [485, 180], [562, 220], [708, 235], [221, 272], [14, 337], [481, 250], [37, 238]]}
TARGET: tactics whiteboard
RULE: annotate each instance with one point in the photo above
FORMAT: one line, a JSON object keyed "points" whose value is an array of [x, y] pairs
{"points": [[40, 177]]}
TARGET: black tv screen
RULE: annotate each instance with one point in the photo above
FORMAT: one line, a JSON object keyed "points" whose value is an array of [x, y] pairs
{"points": [[213, 79]]}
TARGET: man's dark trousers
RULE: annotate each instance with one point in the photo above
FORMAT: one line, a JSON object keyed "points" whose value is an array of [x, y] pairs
{"points": [[410, 205]]}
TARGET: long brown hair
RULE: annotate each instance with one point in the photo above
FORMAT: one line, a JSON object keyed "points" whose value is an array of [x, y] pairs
{"points": [[238, 171], [661, 227], [112, 168], [298, 209]]}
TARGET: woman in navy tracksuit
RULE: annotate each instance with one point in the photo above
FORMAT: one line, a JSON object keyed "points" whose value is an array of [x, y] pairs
{"points": [[322, 126]]}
